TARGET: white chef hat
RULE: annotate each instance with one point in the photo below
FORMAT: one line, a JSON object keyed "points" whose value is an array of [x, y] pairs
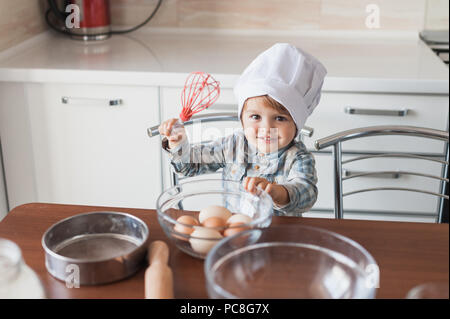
{"points": [[289, 75]]}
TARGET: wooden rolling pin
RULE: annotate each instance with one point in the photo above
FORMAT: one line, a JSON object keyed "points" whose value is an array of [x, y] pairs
{"points": [[158, 276]]}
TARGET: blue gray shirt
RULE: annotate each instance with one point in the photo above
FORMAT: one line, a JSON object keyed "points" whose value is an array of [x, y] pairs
{"points": [[292, 166]]}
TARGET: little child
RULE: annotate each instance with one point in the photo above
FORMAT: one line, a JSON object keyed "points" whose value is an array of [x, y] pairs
{"points": [[276, 93]]}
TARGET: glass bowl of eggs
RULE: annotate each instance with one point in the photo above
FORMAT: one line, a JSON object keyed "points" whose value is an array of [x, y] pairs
{"points": [[197, 214]]}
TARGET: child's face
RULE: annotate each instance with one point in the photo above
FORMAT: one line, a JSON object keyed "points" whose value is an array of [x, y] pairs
{"points": [[265, 127]]}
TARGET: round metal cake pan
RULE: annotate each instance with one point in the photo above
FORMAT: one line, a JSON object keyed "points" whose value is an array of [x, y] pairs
{"points": [[95, 248]]}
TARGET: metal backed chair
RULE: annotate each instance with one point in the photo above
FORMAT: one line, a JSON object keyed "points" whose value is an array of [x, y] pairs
{"points": [[209, 118], [337, 139]]}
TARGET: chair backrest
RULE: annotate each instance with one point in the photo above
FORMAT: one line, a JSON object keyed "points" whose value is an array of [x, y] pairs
{"points": [[337, 139], [219, 117]]}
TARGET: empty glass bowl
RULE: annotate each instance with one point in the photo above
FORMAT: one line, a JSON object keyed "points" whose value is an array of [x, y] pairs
{"points": [[188, 198], [290, 261]]}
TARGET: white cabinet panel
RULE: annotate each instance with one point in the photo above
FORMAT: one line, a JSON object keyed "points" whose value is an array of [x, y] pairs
{"points": [[382, 201], [89, 152], [424, 111], [17, 144]]}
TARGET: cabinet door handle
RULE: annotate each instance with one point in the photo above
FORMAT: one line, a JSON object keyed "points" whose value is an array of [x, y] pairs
{"points": [[90, 101], [359, 111], [385, 174], [307, 131]]}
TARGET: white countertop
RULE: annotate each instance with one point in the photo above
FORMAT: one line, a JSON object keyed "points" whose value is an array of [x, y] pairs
{"points": [[375, 63]]}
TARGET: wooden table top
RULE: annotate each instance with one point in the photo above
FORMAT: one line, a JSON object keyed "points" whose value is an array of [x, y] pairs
{"points": [[408, 254]]}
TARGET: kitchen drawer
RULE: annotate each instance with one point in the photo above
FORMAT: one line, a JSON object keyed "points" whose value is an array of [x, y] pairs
{"points": [[424, 111], [85, 149], [381, 201]]}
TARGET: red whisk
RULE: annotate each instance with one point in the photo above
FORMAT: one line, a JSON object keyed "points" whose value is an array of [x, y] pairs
{"points": [[200, 92]]}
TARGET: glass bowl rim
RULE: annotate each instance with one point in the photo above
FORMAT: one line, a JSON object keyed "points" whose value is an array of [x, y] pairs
{"points": [[265, 197], [225, 294]]}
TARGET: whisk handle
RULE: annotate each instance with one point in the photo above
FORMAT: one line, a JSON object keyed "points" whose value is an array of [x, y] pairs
{"points": [[153, 131], [204, 118]]}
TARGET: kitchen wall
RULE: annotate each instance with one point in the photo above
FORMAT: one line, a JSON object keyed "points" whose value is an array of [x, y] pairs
{"points": [[405, 15], [436, 15], [20, 20]]}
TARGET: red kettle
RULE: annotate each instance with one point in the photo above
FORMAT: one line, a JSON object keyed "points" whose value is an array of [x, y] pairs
{"points": [[84, 19]]}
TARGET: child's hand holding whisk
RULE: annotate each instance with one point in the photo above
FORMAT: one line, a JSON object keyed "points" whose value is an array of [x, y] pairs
{"points": [[174, 131]]}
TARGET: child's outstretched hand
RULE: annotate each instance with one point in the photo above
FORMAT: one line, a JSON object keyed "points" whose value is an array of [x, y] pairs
{"points": [[279, 194], [175, 137]]}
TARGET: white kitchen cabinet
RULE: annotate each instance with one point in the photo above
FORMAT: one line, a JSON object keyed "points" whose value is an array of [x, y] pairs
{"points": [[84, 151], [331, 116], [17, 147]]}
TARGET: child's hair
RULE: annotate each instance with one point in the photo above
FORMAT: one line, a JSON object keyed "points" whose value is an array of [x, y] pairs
{"points": [[274, 104]]}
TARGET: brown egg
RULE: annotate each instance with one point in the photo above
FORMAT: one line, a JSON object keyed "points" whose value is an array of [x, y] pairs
{"points": [[214, 222], [233, 229], [203, 239], [214, 211], [187, 220], [239, 218]]}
